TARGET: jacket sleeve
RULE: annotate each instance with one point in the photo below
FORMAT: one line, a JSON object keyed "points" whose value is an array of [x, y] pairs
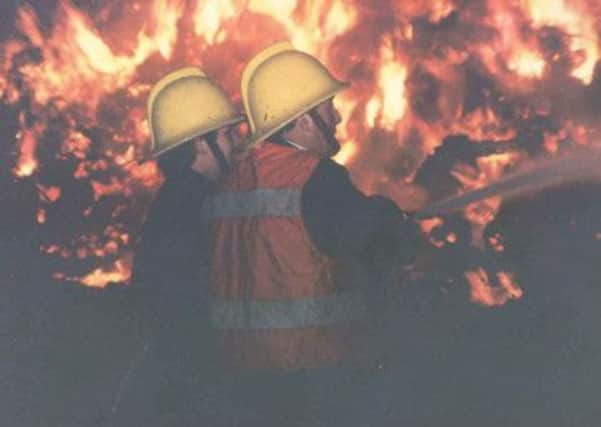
{"points": [[346, 224]]}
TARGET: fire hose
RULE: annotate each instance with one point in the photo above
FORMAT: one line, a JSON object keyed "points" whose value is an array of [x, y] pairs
{"points": [[579, 166]]}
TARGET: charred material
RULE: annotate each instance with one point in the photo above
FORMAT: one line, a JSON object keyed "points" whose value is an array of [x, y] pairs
{"points": [[435, 175]]}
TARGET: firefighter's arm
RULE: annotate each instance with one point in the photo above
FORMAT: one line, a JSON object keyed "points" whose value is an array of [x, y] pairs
{"points": [[345, 223]]}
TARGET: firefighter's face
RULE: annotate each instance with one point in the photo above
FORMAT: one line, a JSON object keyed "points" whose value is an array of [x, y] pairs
{"points": [[225, 142], [205, 162], [318, 137], [331, 118], [329, 114]]}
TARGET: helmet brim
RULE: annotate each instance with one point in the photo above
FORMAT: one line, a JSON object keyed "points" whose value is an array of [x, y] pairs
{"points": [[155, 154]]}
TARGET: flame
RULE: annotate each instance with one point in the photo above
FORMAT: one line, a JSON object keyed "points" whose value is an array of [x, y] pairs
{"points": [[311, 27], [49, 194], [118, 271], [76, 144], [79, 65], [3, 85], [41, 217], [346, 153], [114, 186], [489, 169], [372, 110], [208, 17], [527, 64], [166, 14], [349, 147], [484, 124], [27, 162], [440, 9], [340, 18], [427, 225], [577, 22], [495, 242], [389, 105], [392, 84], [420, 71], [482, 292]]}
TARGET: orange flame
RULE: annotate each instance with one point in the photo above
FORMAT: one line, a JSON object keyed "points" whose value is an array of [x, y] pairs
{"points": [[41, 217], [492, 296], [346, 153], [27, 162], [79, 65], [576, 21], [389, 105], [392, 83], [118, 271], [527, 64], [208, 17], [49, 194], [409, 88]]}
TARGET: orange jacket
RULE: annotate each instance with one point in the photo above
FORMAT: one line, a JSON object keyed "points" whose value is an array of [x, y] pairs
{"points": [[278, 303]]}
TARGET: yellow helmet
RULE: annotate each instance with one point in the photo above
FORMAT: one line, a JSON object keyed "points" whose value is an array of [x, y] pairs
{"points": [[185, 104], [279, 85]]}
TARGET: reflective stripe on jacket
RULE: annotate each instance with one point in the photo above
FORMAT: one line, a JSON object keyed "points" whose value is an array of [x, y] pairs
{"points": [[278, 303]]}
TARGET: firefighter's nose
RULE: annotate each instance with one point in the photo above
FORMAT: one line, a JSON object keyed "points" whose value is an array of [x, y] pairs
{"points": [[337, 117]]}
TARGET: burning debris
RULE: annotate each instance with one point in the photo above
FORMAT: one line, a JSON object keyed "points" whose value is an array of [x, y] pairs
{"points": [[491, 84]]}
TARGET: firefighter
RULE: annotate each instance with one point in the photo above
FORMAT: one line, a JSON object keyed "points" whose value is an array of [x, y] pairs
{"points": [[191, 124], [298, 252]]}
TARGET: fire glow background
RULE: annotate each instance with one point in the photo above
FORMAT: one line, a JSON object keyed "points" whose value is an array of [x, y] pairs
{"points": [[431, 79], [74, 79]]}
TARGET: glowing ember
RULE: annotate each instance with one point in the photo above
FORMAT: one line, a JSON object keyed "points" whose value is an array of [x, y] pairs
{"points": [[49, 194], [41, 217], [482, 292], [496, 243], [427, 225], [117, 272], [27, 162]]}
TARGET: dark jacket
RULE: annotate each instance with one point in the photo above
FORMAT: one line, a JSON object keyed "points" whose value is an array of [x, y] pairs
{"points": [[170, 263], [373, 239], [171, 254], [170, 292], [348, 225]]}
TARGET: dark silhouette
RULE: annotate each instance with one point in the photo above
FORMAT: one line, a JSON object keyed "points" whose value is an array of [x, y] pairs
{"points": [[169, 289]]}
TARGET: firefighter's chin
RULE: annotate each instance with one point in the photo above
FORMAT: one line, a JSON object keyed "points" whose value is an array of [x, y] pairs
{"points": [[333, 146]]}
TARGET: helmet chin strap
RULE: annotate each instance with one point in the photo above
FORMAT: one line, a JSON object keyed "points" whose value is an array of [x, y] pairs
{"points": [[325, 130], [219, 156]]}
